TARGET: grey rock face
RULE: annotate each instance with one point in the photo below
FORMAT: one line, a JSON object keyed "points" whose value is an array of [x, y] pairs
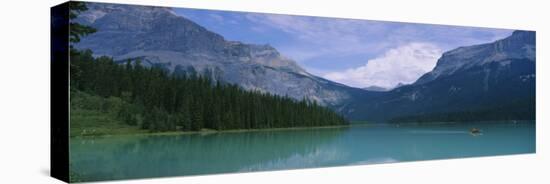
{"points": [[161, 38], [496, 78], [520, 45]]}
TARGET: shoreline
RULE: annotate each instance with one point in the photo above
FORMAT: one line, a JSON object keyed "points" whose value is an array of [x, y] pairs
{"points": [[212, 131], [463, 122]]}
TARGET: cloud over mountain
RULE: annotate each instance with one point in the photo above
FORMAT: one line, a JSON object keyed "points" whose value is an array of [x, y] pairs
{"points": [[404, 64]]}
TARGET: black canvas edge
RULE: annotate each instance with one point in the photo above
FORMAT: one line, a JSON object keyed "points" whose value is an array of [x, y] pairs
{"points": [[59, 92]]}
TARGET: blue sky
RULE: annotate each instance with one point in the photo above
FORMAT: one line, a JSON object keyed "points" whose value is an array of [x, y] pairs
{"points": [[357, 53]]}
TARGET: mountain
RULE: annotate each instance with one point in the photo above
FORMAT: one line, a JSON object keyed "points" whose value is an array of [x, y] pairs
{"points": [[490, 81], [382, 89], [482, 82], [376, 88], [160, 38]]}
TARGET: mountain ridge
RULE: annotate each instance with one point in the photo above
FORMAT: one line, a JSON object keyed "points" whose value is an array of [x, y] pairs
{"points": [[465, 81], [470, 78], [161, 38], [492, 52]]}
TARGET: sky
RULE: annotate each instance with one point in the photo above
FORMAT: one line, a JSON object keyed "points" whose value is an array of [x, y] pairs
{"points": [[358, 53]]}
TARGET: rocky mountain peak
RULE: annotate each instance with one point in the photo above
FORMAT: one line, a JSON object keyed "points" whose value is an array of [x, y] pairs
{"points": [[161, 38], [520, 45]]}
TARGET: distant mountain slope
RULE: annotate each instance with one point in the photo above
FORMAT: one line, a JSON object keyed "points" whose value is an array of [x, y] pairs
{"points": [[482, 82], [161, 38], [488, 81], [376, 88]]}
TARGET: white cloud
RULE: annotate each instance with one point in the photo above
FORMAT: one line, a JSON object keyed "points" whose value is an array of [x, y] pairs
{"points": [[404, 64], [318, 37], [326, 46], [321, 36]]}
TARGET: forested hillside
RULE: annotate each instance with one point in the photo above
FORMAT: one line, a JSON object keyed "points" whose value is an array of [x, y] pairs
{"points": [[155, 100]]}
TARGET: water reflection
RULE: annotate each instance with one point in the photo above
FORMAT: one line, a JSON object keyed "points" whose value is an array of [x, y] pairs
{"points": [[126, 157], [322, 156]]}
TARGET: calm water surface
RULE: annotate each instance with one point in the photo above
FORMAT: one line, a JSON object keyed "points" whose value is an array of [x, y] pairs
{"points": [[127, 157]]}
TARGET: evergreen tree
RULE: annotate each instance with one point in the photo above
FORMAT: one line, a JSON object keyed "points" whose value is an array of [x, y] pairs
{"points": [[159, 101], [78, 30]]}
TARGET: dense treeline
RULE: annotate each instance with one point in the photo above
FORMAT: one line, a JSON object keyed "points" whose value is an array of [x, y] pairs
{"points": [[159, 101], [519, 110]]}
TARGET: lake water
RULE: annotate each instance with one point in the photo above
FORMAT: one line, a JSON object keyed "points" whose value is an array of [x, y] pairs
{"points": [[127, 157]]}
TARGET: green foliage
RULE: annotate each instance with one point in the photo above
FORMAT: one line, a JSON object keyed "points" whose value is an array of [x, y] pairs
{"points": [[104, 94], [75, 8], [155, 100], [78, 30], [523, 109], [95, 115], [74, 177]]}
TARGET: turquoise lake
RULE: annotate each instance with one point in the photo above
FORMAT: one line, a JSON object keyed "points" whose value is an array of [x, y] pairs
{"points": [[129, 157]]}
